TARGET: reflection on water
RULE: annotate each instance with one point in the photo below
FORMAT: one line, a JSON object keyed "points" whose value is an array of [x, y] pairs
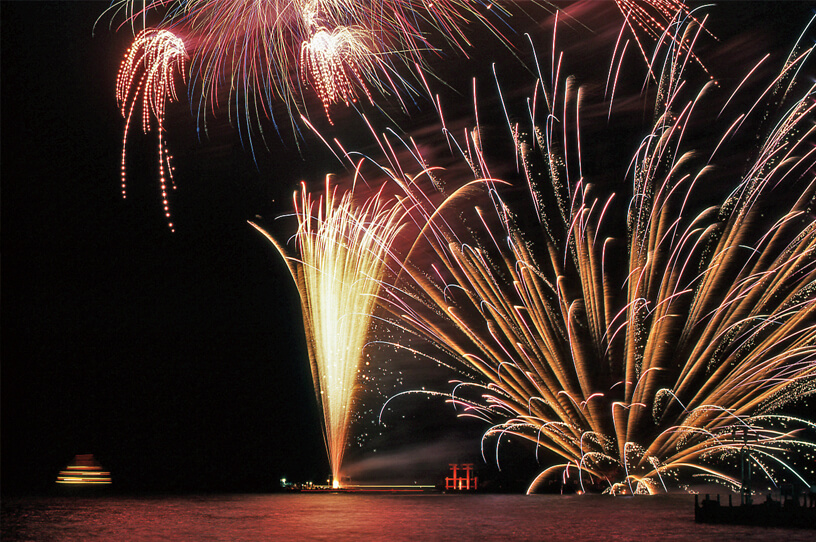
{"points": [[368, 517]]}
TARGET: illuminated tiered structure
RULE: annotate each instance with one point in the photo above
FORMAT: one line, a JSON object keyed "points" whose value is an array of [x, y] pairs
{"points": [[84, 470]]}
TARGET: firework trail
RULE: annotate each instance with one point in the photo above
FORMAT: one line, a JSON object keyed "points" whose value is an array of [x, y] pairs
{"points": [[342, 258], [147, 76], [264, 52], [653, 18], [670, 348]]}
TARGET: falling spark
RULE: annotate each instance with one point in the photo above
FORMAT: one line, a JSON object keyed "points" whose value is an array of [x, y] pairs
{"points": [[147, 77], [334, 60]]}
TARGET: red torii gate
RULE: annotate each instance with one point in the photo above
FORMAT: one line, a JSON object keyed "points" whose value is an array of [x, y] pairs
{"points": [[461, 483]]}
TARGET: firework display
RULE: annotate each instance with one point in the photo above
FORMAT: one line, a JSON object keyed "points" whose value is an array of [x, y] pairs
{"points": [[147, 75], [635, 324], [341, 261], [636, 353]]}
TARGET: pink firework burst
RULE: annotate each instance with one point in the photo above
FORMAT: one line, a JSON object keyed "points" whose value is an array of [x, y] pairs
{"points": [[332, 60]]}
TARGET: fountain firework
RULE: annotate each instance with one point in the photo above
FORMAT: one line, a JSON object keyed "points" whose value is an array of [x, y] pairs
{"points": [[633, 354], [342, 259]]}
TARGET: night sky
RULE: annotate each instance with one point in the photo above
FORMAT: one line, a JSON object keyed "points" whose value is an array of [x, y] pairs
{"points": [[176, 358]]}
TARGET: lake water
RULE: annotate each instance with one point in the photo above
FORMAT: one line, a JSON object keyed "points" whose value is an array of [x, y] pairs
{"points": [[368, 517]]}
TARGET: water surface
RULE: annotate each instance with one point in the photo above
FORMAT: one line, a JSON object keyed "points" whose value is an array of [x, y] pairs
{"points": [[368, 517]]}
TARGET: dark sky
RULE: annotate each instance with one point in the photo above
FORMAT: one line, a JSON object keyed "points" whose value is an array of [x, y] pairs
{"points": [[176, 358]]}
